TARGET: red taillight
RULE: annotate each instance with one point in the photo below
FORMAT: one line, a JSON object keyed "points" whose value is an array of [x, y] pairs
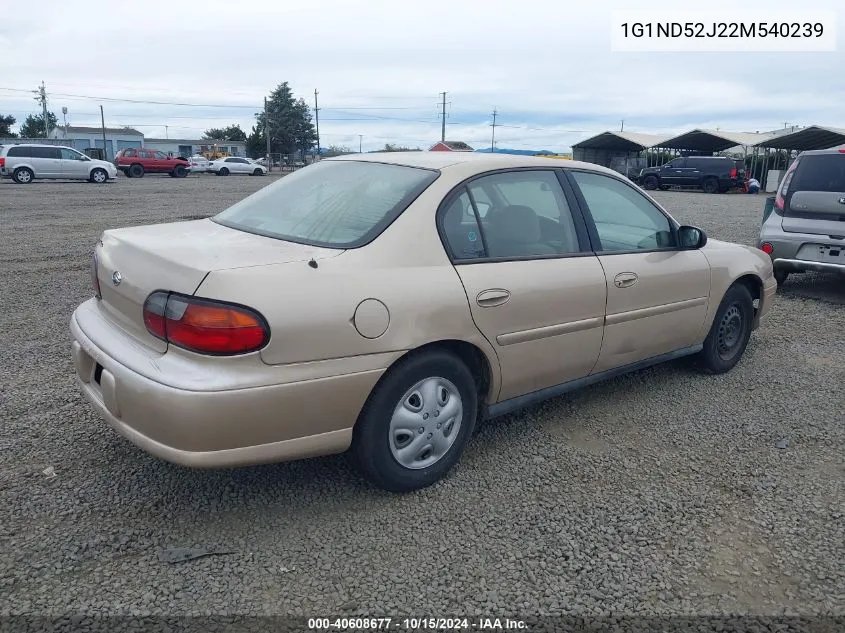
{"points": [[733, 172], [203, 325], [841, 151], [95, 277], [767, 248], [780, 198], [2, 161]]}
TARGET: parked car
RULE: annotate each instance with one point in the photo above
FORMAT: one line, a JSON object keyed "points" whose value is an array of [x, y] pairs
{"points": [[199, 164], [382, 303], [136, 162], [236, 165], [806, 229], [713, 174], [25, 162]]}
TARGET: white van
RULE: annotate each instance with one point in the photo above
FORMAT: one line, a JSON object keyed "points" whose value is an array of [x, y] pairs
{"points": [[23, 163]]}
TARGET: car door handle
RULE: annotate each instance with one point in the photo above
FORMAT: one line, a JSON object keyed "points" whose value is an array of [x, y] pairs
{"points": [[625, 280], [492, 297]]}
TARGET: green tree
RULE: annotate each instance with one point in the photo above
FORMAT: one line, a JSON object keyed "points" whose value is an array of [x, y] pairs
{"points": [[33, 125], [230, 133], [390, 147], [337, 150], [6, 123], [290, 124]]}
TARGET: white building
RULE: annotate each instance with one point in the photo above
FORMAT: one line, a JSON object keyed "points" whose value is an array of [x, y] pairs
{"points": [[190, 147], [82, 138]]}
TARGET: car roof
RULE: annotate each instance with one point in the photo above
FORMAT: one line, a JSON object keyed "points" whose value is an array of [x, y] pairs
{"points": [[467, 161], [816, 152]]}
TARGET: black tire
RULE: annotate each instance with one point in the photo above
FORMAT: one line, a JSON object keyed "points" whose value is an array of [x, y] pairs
{"points": [[710, 185], [224, 171], [780, 276], [651, 183], [23, 175], [664, 187], [258, 172], [371, 449], [729, 334], [98, 176], [180, 172], [136, 171]]}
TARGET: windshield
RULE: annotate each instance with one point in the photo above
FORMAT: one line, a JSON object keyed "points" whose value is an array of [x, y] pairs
{"points": [[338, 204]]}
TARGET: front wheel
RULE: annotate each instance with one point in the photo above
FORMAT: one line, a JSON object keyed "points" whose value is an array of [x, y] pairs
{"points": [[98, 176], [258, 172], [729, 334], [416, 422], [223, 172], [180, 172]]}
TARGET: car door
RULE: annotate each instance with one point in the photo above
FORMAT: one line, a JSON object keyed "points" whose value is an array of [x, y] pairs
{"points": [[672, 173], [162, 162], [535, 290], [74, 164], [693, 172], [657, 293], [47, 162]]}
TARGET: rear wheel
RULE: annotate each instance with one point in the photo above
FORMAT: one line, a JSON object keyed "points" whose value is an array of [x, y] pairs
{"points": [[710, 185], [416, 422], [98, 176], [780, 276], [729, 334], [136, 171], [23, 175], [223, 172], [651, 183]]}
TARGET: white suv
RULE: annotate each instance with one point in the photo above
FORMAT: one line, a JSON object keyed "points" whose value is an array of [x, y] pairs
{"points": [[23, 163]]}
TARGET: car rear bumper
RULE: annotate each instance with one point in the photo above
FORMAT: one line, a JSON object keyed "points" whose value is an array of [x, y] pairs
{"points": [[796, 252], [224, 427], [802, 265]]}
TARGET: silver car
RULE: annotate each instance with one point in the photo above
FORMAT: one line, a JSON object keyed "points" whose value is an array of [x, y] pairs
{"points": [[25, 162], [806, 229]]}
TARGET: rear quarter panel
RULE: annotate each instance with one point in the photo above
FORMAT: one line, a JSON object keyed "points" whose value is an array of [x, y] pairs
{"points": [[312, 311]]}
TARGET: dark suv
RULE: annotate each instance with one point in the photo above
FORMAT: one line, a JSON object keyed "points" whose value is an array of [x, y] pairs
{"points": [[714, 174]]}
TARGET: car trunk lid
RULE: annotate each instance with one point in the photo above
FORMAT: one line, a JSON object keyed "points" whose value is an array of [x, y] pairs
{"points": [[816, 196], [134, 262]]}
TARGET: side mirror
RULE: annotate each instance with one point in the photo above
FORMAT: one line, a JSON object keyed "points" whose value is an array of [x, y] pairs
{"points": [[691, 238]]}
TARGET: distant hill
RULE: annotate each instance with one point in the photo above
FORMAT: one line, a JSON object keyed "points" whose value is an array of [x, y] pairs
{"points": [[521, 152]]}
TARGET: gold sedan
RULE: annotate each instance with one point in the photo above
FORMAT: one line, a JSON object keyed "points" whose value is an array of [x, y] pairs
{"points": [[382, 304]]}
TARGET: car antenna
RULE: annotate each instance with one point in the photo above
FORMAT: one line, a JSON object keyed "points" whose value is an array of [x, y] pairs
{"points": [[312, 262]]}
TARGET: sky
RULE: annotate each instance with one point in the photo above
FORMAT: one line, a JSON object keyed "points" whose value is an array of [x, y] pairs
{"points": [[545, 66]]}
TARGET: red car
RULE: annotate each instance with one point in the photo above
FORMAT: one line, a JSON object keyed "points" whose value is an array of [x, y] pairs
{"points": [[135, 162]]}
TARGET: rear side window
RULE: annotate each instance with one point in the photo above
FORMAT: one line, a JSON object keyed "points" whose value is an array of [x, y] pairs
{"points": [[46, 152], [19, 151], [820, 172], [338, 204]]}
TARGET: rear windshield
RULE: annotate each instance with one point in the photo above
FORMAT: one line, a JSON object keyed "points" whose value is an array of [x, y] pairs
{"points": [[820, 172], [339, 204]]}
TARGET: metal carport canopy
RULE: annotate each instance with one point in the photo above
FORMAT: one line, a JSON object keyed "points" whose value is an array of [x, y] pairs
{"points": [[620, 141], [809, 138], [711, 140]]}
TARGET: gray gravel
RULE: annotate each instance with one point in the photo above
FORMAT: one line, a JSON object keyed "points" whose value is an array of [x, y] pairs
{"points": [[663, 492]]}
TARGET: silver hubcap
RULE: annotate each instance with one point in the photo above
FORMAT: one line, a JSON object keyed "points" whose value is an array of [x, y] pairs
{"points": [[425, 423], [99, 176], [24, 176]]}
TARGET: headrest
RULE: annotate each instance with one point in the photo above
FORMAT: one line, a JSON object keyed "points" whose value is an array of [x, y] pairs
{"points": [[518, 223]]}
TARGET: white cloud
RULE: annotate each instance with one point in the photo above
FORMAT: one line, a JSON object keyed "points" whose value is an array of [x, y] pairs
{"points": [[542, 63]]}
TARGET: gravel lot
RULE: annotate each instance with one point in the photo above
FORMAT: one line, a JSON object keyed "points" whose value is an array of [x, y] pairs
{"points": [[662, 492]]}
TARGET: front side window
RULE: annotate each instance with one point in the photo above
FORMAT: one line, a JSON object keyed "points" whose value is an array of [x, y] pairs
{"points": [[338, 204], [625, 220], [71, 154], [528, 215], [130, 153], [161, 156]]}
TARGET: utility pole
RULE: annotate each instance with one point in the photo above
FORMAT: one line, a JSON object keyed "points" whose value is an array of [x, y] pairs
{"points": [[493, 140], [166, 132], [317, 117], [360, 143], [443, 127], [64, 118], [267, 135], [623, 126], [42, 99], [103, 124]]}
